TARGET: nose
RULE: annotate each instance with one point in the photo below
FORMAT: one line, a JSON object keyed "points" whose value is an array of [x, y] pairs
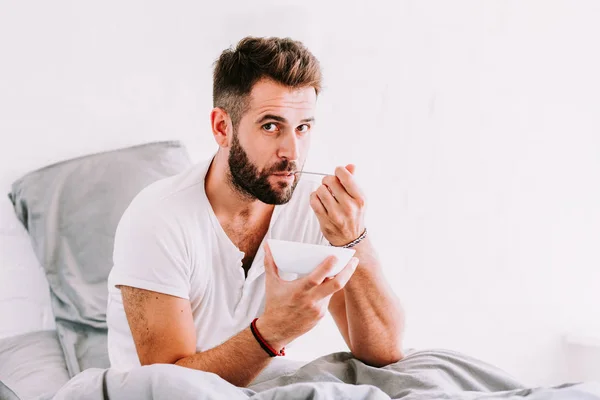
{"points": [[289, 147]]}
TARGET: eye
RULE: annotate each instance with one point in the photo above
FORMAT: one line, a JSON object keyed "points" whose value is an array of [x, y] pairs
{"points": [[270, 127], [303, 128]]}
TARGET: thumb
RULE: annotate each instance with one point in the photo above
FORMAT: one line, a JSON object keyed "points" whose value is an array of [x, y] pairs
{"points": [[351, 168], [270, 267]]}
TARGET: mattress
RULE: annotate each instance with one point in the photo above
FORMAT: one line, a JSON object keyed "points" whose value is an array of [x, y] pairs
{"points": [[24, 292]]}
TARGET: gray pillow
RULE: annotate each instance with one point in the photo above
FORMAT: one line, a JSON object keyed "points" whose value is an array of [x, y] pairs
{"points": [[32, 364], [71, 211]]}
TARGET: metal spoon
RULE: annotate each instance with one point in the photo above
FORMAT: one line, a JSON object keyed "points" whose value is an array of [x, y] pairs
{"points": [[311, 173]]}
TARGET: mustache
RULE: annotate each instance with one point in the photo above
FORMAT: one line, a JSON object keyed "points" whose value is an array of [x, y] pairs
{"points": [[285, 166]]}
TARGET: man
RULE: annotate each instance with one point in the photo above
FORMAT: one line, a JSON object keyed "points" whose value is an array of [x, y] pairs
{"points": [[191, 272]]}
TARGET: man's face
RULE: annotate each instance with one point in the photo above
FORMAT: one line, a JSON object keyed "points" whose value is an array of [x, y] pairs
{"points": [[271, 141]]}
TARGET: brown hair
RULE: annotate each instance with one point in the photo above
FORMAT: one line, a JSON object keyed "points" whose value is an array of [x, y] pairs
{"points": [[236, 71]]}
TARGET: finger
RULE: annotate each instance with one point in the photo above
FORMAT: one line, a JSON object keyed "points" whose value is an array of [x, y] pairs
{"points": [[337, 190], [270, 267], [316, 205], [351, 168], [326, 198], [349, 183], [338, 282], [316, 277]]}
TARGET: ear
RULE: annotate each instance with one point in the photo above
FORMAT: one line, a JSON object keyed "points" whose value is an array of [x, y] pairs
{"points": [[221, 126]]}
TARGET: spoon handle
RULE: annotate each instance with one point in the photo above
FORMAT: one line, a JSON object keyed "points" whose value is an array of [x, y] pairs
{"points": [[311, 173]]}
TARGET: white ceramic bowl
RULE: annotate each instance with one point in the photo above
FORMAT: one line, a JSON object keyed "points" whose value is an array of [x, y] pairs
{"points": [[296, 259]]}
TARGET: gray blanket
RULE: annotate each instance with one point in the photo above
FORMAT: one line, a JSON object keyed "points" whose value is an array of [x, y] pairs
{"points": [[431, 374]]}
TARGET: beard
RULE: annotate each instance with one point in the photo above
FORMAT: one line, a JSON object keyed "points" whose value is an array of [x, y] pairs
{"points": [[247, 180]]}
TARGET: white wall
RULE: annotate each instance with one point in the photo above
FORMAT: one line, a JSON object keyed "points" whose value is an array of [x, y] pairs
{"points": [[474, 125]]}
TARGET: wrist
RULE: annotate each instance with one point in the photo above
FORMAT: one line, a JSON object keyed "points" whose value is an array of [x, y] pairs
{"points": [[268, 330], [350, 242], [367, 256], [364, 246]]}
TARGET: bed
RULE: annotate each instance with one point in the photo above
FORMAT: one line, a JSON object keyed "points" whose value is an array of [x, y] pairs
{"points": [[31, 360], [55, 255]]}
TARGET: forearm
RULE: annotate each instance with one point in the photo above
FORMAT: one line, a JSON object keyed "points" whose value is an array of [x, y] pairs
{"points": [[239, 360], [374, 313]]}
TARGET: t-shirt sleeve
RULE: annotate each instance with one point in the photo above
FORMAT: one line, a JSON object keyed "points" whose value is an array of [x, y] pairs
{"points": [[150, 253]]}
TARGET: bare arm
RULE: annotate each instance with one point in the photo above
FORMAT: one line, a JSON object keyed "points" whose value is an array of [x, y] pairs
{"points": [[239, 360], [163, 328], [367, 312], [163, 331]]}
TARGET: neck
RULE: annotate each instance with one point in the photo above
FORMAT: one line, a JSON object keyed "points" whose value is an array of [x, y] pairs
{"points": [[227, 202]]}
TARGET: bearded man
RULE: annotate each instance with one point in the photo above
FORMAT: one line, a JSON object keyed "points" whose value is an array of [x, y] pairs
{"points": [[193, 281]]}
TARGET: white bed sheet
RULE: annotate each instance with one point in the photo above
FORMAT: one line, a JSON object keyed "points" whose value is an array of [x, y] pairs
{"points": [[24, 291]]}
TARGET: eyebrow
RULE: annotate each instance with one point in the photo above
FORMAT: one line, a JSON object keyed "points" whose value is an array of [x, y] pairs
{"points": [[280, 119]]}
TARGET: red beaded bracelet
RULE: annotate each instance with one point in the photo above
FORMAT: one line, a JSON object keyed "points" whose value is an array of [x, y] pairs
{"points": [[263, 343]]}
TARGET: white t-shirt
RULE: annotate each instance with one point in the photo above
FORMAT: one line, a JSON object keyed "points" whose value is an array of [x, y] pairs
{"points": [[170, 241]]}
